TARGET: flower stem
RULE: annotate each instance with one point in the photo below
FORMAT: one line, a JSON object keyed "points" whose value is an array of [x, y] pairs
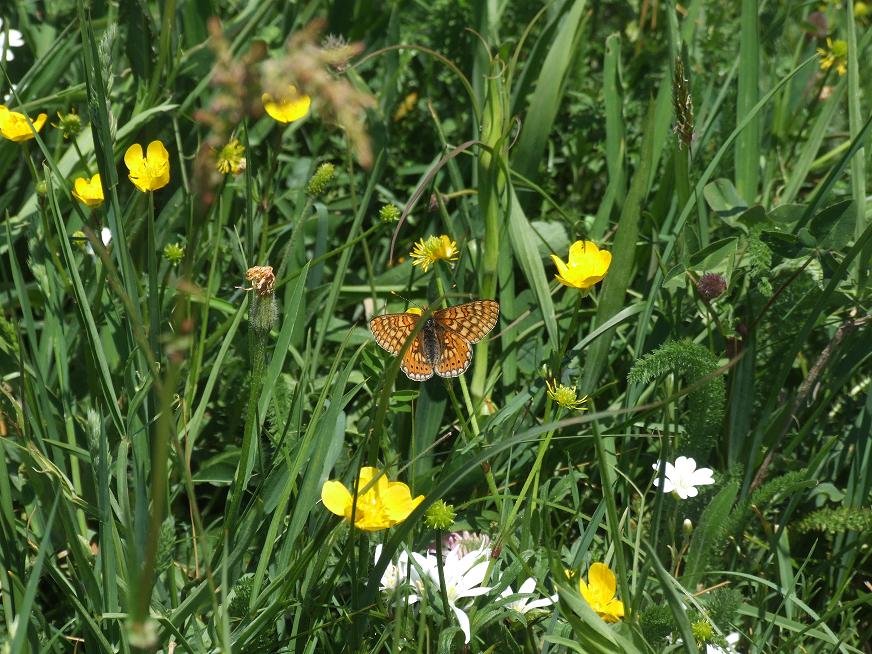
{"points": [[151, 255], [611, 510], [440, 567]]}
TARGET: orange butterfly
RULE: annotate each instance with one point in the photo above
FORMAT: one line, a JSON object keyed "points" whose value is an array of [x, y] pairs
{"points": [[443, 343]]}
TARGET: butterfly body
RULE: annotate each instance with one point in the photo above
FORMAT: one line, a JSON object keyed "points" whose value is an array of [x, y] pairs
{"points": [[443, 344], [430, 342]]}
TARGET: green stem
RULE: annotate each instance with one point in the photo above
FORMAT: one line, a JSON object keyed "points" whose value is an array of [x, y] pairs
{"points": [[151, 254], [440, 567], [258, 357], [611, 510]]}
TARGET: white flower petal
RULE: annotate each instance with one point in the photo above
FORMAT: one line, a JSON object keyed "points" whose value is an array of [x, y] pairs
{"points": [[474, 592], [538, 604], [528, 586], [463, 619]]}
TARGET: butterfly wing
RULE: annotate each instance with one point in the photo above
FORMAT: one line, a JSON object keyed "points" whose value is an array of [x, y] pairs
{"points": [[472, 320], [455, 353], [391, 330], [416, 367]]}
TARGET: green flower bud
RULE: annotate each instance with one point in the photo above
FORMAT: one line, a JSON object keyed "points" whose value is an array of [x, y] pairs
{"points": [[440, 516], [702, 631], [389, 213], [174, 253], [70, 124], [321, 179]]}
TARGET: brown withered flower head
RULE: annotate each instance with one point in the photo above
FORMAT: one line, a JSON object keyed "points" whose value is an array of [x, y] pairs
{"points": [[262, 278]]}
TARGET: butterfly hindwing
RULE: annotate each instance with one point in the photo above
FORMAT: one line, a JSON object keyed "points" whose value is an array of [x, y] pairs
{"points": [[392, 330], [455, 353], [472, 320], [416, 367]]}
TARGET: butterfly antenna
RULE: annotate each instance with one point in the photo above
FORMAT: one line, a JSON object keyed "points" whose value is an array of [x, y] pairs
{"points": [[407, 300]]}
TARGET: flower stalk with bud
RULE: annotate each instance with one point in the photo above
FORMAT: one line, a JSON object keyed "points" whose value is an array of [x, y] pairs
{"points": [[262, 314]]}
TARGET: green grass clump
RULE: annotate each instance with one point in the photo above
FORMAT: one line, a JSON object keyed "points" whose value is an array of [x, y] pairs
{"points": [[189, 387]]}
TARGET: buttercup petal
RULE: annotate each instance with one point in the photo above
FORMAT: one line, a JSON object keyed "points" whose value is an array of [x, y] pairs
{"points": [[612, 610], [133, 157], [157, 154], [336, 497], [582, 249], [562, 268], [601, 583]]}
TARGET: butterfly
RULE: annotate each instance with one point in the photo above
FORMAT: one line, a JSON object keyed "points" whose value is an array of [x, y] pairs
{"points": [[443, 345]]}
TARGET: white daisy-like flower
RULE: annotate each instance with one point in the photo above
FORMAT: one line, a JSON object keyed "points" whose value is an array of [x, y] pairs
{"points": [[525, 603], [463, 578], [15, 41], [403, 573], [683, 477]]}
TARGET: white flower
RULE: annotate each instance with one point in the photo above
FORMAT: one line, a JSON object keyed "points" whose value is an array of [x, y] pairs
{"points": [[683, 477], [15, 41], [105, 236], [404, 574], [463, 578], [524, 604], [731, 639]]}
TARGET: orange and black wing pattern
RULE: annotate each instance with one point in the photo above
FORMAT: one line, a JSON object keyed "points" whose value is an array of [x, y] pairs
{"points": [[472, 320], [416, 367], [455, 353], [392, 330]]}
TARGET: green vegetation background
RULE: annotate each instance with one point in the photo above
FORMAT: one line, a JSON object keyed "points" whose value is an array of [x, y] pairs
{"points": [[164, 456]]}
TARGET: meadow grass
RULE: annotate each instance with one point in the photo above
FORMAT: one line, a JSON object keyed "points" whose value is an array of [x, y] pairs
{"points": [[189, 383]]}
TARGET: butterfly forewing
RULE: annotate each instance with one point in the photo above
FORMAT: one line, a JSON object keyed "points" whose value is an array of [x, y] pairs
{"points": [[472, 320], [392, 330], [455, 353]]}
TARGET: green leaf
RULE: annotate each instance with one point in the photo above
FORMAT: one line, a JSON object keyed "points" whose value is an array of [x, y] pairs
{"points": [[786, 213], [709, 258], [523, 240], [833, 227], [723, 198]]}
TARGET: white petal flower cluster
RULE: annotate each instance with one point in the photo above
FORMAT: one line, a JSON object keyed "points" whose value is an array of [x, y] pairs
{"points": [[683, 477], [464, 569]]}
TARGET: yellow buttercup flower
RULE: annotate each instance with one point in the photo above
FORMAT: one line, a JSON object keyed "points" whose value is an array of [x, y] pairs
{"points": [[151, 172], [89, 192], [835, 54], [435, 248], [16, 126], [565, 396], [384, 504], [287, 108], [599, 592], [587, 265]]}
